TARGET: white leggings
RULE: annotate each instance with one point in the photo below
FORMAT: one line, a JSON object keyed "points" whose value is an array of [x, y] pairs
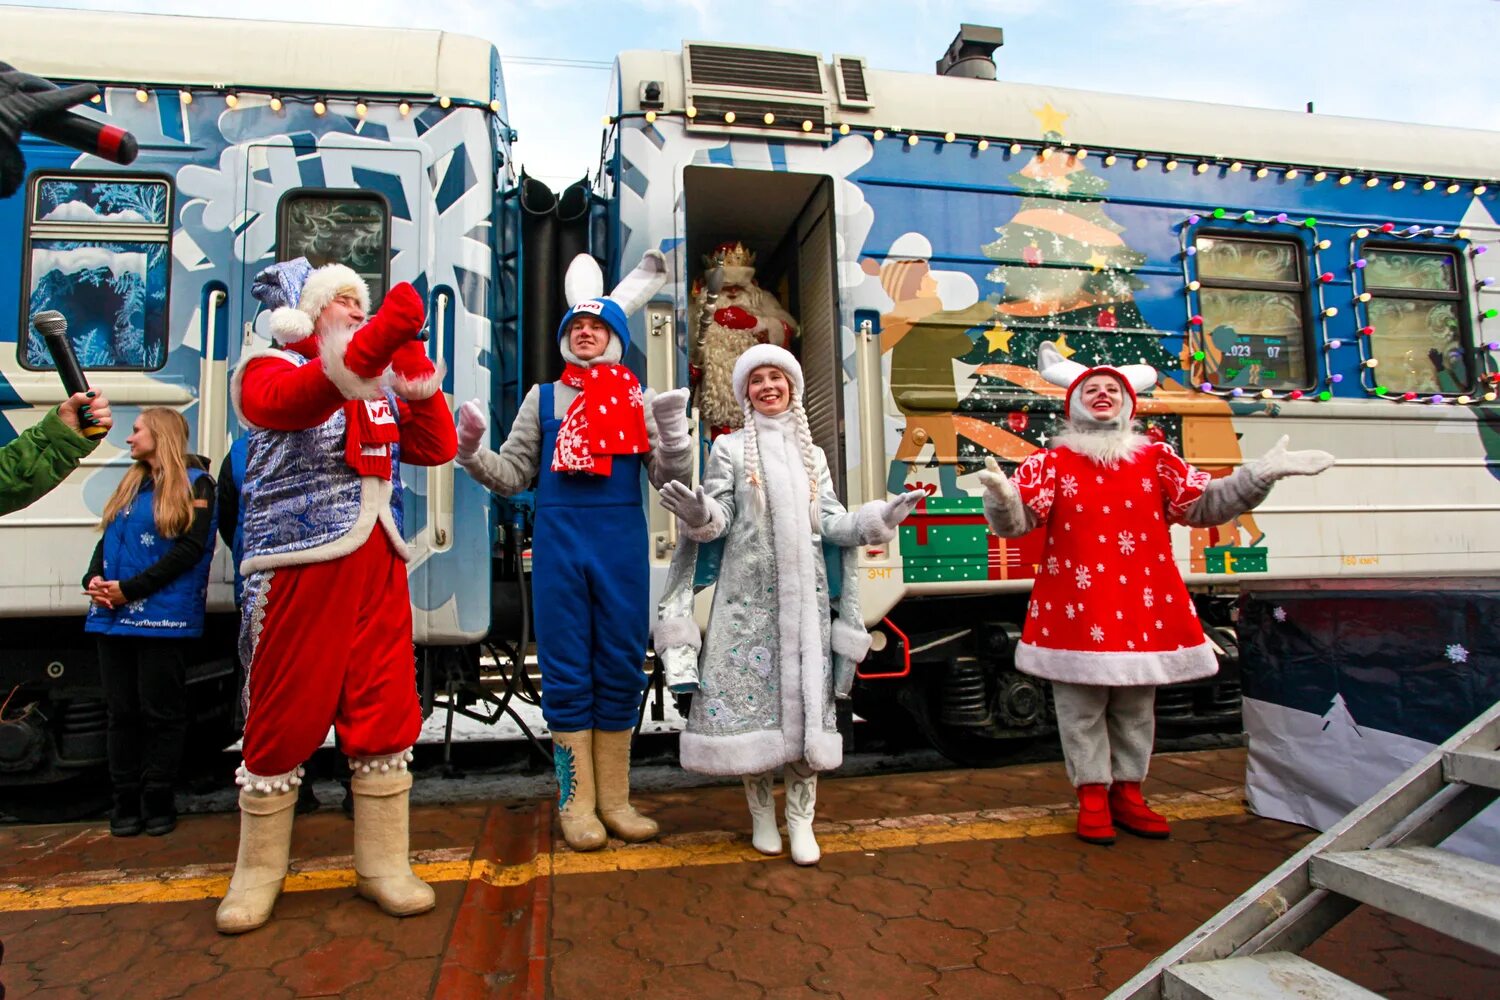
{"points": [[1106, 731]]}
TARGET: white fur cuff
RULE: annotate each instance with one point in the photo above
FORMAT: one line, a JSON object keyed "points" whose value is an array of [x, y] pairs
{"points": [[331, 350], [706, 532], [869, 521], [849, 640], [671, 632], [416, 388]]}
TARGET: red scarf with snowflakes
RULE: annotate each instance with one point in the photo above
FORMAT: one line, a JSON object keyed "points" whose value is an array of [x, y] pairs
{"points": [[370, 429], [607, 418]]}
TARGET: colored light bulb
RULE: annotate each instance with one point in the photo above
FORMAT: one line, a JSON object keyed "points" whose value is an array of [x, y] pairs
{"points": [[1380, 390], [1197, 320], [1360, 264], [1388, 227], [1199, 355], [1325, 396], [1219, 213], [1326, 277], [1206, 386], [1335, 378], [1310, 222], [1194, 219], [1294, 394]]}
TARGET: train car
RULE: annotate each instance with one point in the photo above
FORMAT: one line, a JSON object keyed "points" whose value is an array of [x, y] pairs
{"points": [[1287, 273], [387, 150]]}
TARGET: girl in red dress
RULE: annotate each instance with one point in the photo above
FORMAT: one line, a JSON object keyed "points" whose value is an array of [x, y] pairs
{"points": [[1109, 617]]}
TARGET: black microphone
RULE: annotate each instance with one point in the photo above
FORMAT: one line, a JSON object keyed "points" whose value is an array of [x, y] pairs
{"points": [[54, 330], [86, 135]]}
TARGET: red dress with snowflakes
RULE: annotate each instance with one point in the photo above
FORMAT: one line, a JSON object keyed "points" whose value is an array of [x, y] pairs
{"points": [[1109, 606]]}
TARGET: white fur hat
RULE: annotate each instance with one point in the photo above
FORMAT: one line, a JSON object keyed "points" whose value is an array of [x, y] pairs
{"points": [[758, 357], [298, 295]]}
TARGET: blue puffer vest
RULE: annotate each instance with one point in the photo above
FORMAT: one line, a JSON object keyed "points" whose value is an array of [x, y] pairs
{"points": [[132, 545], [301, 499]]}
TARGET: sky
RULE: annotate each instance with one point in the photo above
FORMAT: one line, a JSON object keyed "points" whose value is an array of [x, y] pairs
{"points": [[1401, 60]]}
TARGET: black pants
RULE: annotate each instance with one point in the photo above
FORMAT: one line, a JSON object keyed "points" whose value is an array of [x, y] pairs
{"points": [[145, 689]]}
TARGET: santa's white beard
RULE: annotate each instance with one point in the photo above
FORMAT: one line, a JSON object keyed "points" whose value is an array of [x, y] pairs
{"points": [[1107, 445], [722, 347], [336, 332]]}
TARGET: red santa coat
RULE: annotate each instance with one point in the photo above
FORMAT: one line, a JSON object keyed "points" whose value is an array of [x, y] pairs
{"points": [[1109, 606]]}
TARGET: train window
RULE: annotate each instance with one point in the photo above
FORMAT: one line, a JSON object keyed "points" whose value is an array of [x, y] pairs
{"points": [[352, 228], [1253, 301], [96, 251], [1415, 312]]}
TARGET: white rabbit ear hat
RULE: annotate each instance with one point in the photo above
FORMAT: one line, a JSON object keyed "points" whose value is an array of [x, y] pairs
{"points": [[1058, 370]]}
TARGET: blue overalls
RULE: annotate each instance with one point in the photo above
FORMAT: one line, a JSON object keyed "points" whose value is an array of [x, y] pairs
{"points": [[591, 589]]}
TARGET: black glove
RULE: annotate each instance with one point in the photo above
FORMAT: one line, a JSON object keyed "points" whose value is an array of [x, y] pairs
{"points": [[24, 100], [684, 703]]}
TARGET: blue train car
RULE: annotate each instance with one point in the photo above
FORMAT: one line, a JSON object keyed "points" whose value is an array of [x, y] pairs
{"points": [[385, 149]]}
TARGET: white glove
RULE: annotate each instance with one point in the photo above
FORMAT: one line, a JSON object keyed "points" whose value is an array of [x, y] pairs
{"points": [[472, 426], [897, 510], [1278, 463], [692, 506], [670, 411], [996, 482]]}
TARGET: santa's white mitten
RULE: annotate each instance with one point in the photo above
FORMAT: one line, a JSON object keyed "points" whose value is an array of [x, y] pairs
{"points": [[670, 411], [995, 481], [1278, 463], [897, 510], [691, 506], [472, 425]]}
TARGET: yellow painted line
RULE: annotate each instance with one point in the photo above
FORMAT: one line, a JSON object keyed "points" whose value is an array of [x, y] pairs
{"points": [[685, 851]]}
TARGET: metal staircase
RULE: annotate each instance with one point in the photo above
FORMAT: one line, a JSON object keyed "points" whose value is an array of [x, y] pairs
{"points": [[1383, 855]]}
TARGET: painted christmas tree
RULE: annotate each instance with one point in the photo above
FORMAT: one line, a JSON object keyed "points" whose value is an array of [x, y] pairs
{"points": [[1068, 276]]}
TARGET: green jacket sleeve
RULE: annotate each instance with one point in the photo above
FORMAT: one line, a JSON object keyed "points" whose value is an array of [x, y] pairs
{"points": [[39, 459]]}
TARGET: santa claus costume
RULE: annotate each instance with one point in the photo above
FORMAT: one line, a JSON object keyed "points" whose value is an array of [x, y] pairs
{"points": [[584, 439], [729, 322], [325, 634], [1109, 617]]}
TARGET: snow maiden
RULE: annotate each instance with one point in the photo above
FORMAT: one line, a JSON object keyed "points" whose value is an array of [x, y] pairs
{"points": [[1109, 617], [772, 661]]}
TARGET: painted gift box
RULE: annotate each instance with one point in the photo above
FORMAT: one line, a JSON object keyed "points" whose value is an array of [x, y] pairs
{"points": [[946, 539], [1235, 559]]}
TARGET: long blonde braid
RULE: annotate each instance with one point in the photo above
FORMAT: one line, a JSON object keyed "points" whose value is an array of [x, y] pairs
{"points": [[809, 463], [752, 460]]}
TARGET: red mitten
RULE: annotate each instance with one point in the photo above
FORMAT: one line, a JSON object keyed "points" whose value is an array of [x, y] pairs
{"points": [[413, 375], [734, 318], [397, 322]]}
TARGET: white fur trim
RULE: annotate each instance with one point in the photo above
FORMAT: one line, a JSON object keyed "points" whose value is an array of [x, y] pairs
{"points": [[1104, 447], [849, 640], [669, 632], [759, 356], [383, 764], [870, 523], [331, 349], [374, 508], [274, 784], [741, 753], [1116, 669], [824, 750], [289, 325], [417, 388], [706, 532], [237, 377], [583, 280], [322, 287], [644, 281]]}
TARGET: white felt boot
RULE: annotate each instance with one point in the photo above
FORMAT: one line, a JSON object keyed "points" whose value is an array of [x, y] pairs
{"points": [[573, 757], [764, 836], [382, 838], [612, 778], [266, 809], [801, 797]]}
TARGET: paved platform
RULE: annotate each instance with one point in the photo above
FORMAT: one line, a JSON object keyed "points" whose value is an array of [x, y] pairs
{"points": [[945, 884]]}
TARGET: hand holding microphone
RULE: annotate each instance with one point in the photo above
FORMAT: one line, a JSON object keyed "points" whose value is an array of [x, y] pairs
{"points": [[84, 410], [31, 104]]}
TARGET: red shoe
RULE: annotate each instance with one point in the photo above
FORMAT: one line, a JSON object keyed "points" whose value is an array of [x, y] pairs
{"points": [[1133, 815], [1094, 826]]}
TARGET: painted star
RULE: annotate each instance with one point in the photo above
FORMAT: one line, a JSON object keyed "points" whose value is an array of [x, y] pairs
{"points": [[1097, 261], [1063, 348], [1050, 119], [998, 336]]}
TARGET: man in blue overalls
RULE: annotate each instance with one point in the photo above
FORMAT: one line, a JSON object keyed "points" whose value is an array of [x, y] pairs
{"points": [[585, 438]]}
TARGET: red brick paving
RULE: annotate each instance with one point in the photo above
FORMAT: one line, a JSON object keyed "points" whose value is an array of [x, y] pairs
{"points": [[1039, 917]]}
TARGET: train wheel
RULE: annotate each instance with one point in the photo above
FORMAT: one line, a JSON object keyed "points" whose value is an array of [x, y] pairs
{"points": [[966, 746]]}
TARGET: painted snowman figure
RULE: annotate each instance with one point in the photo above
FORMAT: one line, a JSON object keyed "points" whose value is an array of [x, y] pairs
{"points": [[584, 440], [1110, 618]]}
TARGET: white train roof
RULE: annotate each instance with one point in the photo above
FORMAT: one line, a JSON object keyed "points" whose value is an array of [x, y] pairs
{"points": [[1120, 122], [156, 50]]}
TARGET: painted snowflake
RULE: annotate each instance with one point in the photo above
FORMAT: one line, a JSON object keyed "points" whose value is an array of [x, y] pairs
{"points": [[1127, 544], [1279, 613], [148, 539], [1083, 578], [1457, 653]]}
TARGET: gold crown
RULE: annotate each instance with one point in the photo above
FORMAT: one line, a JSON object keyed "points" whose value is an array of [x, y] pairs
{"points": [[730, 255]]}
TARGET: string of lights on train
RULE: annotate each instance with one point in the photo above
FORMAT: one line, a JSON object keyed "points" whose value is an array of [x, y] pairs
{"points": [[321, 104]]}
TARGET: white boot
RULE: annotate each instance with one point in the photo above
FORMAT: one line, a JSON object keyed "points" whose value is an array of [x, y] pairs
{"points": [[266, 809], [801, 797], [764, 836], [382, 838]]}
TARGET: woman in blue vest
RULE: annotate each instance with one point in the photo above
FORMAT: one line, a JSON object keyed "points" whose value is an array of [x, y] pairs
{"points": [[146, 585]]}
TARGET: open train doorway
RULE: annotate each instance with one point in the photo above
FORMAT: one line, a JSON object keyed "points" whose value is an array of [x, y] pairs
{"points": [[786, 221]]}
